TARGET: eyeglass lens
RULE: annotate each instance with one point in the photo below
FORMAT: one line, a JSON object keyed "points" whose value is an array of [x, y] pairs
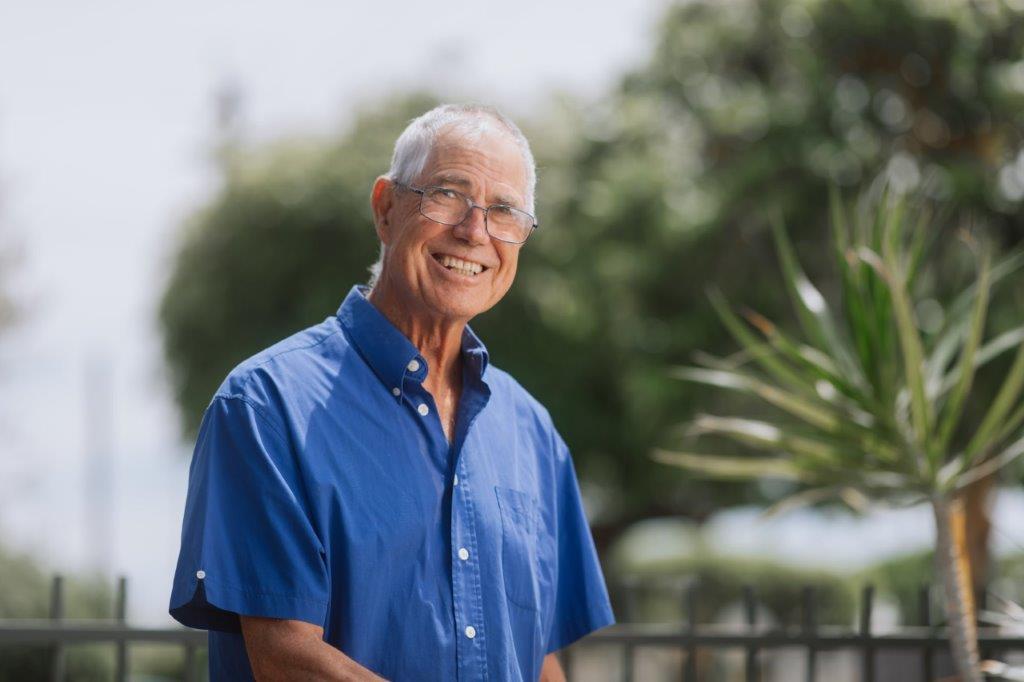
{"points": [[451, 208]]}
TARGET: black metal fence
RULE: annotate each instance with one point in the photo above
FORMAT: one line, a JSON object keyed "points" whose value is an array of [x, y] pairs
{"points": [[58, 632], [689, 638], [927, 641]]}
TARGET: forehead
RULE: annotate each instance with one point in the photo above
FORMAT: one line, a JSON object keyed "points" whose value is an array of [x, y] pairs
{"points": [[490, 159]]}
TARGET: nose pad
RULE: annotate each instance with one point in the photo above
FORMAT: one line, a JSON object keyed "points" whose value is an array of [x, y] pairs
{"points": [[472, 228]]}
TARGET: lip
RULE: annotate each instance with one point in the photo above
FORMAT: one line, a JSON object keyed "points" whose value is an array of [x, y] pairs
{"points": [[454, 276]]}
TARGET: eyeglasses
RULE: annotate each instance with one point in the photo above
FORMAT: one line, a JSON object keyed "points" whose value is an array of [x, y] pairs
{"points": [[449, 207]]}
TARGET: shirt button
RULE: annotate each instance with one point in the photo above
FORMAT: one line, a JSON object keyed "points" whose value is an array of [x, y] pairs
{"points": [[413, 365], [423, 409], [463, 553], [396, 391], [200, 574], [470, 631], [455, 481]]}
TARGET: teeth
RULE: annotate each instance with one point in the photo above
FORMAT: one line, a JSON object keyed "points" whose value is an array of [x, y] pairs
{"points": [[463, 267]]}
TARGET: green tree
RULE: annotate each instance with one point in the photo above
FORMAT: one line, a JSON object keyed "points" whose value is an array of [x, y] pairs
{"points": [[867, 405], [746, 109]]}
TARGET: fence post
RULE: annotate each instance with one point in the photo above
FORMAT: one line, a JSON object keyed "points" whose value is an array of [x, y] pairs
{"points": [[867, 602], [567, 663], [810, 630], [632, 587], [750, 616], [190, 662], [690, 670], [121, 616], [924, 605], [58, 663]]}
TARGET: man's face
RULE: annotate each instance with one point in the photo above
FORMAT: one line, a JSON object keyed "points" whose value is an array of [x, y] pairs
{"points": [[489, 170]]}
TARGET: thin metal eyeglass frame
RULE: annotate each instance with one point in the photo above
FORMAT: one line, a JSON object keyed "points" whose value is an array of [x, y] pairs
{"points": [[423, 192]]}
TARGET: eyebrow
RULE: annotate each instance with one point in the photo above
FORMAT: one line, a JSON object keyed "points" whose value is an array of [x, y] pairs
{"points": [[458, 181]]}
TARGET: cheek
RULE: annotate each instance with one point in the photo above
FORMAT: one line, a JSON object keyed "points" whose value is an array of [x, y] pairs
{"points": [[509, 265]]}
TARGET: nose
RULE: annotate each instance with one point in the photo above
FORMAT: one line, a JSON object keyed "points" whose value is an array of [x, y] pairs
{"points": [[472, 229]]}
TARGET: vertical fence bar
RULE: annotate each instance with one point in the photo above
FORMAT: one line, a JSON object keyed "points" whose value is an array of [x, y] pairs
{"points": [[981, 603], [627, 662], [59, 663], [632, 588], [924, 612], [190, 662], [121, 617], [750, 616], [866, 605], [566, 655], [809, 612], [690, 669]]}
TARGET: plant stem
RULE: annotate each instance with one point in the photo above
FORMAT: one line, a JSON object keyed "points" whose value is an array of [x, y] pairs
{"points": [[952, 564]]}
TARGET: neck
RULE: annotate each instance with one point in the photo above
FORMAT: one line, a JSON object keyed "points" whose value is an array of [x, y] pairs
{"points": [[439, 340]]}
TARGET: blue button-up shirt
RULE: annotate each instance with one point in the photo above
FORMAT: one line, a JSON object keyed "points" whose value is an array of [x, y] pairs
{"points": [[323, 489]]}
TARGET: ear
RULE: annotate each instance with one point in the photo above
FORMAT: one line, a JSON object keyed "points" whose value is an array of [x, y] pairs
{"points": [[382, 201]]}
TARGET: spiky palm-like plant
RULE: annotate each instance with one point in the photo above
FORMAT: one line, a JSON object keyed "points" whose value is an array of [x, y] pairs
{"points": [[869, 406]]}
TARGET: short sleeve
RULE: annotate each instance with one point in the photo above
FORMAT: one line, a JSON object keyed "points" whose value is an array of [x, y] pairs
{"points": [[581, 597], [248, 546]]}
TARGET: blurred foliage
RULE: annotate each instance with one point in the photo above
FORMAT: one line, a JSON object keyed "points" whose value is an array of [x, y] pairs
{"points": [[743, 109], [901, 579], [657, 587], [748, 108], [654, 592]]}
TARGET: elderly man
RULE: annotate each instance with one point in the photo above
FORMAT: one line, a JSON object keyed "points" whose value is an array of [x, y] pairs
{"points": [[371, 497]]}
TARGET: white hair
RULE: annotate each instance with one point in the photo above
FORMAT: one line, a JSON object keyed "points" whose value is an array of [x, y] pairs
{"points": [[472, 121]]}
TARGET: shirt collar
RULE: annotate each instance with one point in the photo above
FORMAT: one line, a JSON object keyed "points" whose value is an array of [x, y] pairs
{"points": [[391, 355]]}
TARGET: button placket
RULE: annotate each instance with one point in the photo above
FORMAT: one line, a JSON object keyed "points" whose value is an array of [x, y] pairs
{"points": [[466, 571], [467, 589]]}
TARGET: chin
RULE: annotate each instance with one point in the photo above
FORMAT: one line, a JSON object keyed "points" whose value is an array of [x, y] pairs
{"points": [[461, 309]]}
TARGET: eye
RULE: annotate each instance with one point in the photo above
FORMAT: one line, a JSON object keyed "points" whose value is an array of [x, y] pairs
{"points": [[448, 193], [501, 209]]}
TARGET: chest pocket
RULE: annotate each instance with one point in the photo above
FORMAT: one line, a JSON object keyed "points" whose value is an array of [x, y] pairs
{"points": [[519, 546]]}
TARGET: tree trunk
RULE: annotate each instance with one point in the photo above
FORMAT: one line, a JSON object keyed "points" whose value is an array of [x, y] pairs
{"points": [[978, 523], [952, 564]]}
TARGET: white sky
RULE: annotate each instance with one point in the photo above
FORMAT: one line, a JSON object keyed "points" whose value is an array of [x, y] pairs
{"points": [[105, 121]]}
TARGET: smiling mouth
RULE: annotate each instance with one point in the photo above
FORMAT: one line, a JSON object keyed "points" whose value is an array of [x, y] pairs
{"points": [[459, 266]]}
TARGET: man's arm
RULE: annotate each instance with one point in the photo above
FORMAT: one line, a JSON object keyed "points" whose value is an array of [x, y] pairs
{"points": [[551, 671], [295, 650]]}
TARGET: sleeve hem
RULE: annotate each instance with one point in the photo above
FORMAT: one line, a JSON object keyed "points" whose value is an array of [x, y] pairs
{"points": [[577, 631], [207, 605]]}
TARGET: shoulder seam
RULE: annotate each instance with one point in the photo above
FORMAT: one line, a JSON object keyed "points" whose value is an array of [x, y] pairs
{"points": [[257, 410], [288, 350], [247, 379]]}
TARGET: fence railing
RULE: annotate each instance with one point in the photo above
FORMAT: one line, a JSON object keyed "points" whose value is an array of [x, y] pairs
{"points": [[58, 632], [928, 639], [688, 637]]}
